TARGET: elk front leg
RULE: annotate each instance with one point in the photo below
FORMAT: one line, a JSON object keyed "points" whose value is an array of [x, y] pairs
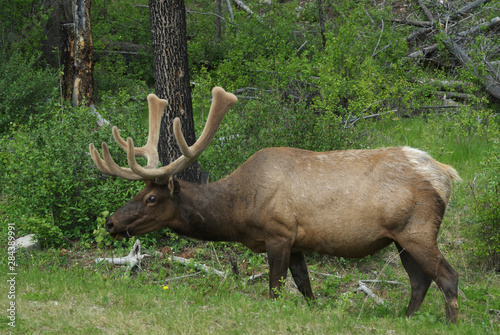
{"points": [[298, 268], [278, 255]]}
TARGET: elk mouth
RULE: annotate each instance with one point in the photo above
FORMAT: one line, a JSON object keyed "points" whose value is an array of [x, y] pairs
{"points": [[131, 231], [120, 236]]}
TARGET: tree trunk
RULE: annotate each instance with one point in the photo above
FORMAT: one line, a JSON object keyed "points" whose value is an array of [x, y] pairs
{"points": [[77, 55], [321, 23], [172, 82], [218, 21]]}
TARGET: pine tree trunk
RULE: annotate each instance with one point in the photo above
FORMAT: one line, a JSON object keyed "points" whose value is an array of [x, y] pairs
{"points": [[172, 82]]}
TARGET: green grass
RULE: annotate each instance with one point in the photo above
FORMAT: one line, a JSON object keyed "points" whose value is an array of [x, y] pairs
{"points": [[66, 292]]}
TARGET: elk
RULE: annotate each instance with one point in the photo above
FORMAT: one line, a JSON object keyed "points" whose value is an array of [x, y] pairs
{"points": [[284, 201]]}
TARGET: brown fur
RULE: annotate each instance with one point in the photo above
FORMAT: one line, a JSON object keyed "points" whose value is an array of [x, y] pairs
{"points": [[284, 201]]}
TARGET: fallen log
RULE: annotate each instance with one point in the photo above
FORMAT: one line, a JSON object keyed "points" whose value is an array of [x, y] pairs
{"points": [[423, 52], [466, 9], [491, 86], [481, 27]]}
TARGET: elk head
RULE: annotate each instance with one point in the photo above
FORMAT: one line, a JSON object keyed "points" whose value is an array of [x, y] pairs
{"points": [[156, 203]]}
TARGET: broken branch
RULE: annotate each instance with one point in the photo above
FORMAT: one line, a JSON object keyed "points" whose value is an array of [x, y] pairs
{"points": [[199, 266], [134, 257], [466, 9]]}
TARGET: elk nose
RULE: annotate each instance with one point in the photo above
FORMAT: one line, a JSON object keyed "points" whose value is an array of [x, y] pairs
{"points": [[109, 225]]}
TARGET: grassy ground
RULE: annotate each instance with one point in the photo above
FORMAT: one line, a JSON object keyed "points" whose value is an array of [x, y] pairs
{"points": [[65, 292]]}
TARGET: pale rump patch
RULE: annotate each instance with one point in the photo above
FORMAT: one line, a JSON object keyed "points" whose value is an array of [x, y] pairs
{"points": [[439, 175]]}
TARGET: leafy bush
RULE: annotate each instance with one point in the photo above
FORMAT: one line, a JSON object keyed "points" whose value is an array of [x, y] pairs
{"points": [[24, 87], [49, 183], [23, 23], [486, 208]]}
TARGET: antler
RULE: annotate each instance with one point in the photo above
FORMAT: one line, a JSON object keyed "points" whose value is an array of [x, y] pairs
{"points": [[221, 103]]}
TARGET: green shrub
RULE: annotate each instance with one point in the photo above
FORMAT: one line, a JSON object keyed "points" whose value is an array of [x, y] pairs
{"points": [[24, 87], [50, 185], [486, 208]]}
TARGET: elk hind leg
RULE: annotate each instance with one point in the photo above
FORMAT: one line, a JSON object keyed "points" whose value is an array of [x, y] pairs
{"points": [[298, 268], [419, 281], [435, 266]]}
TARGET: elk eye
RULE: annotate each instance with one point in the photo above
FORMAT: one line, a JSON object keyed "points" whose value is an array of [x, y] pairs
{"points": [[151, 199]]}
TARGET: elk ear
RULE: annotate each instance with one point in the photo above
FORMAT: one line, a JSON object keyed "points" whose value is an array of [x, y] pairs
{"points": [[174, 187]]}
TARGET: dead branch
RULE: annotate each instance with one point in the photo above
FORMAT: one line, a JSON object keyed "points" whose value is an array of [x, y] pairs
{"points": [[378, 42], [257, 276], [364, 117], [481, 27], [424, 51], [426, 11], [381, 281], [416, 23], [438, 107], [363, 288], [134, 257], [464, 96], [492, 87], [441, 85], [466, 9], [419, 32], [325, 274], [182, 277], [234, 265], [247, 9], [199, 266]]}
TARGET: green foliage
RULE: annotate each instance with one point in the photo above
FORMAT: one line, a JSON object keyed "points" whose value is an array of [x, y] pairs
{"points": [[296, 94], [22, 23], [103, 238], [122, 42], [24, 88], [49, 184], [486, 207], [24, 84]]}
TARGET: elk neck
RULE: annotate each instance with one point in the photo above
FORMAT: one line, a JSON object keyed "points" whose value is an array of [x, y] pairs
{"points": [[205, 212]]}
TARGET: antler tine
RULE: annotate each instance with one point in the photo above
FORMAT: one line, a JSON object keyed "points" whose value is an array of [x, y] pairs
{"points": [[108, 166], [221, 103], [156, 107]]}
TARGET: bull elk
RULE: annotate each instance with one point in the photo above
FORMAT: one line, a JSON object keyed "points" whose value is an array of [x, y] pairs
{"points": [[284, 201]]}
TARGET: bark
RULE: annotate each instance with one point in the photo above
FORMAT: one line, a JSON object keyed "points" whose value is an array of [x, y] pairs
{"points": [[83, 83], [218, 23], [76, 52], [172, 82], [67, 50]]}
